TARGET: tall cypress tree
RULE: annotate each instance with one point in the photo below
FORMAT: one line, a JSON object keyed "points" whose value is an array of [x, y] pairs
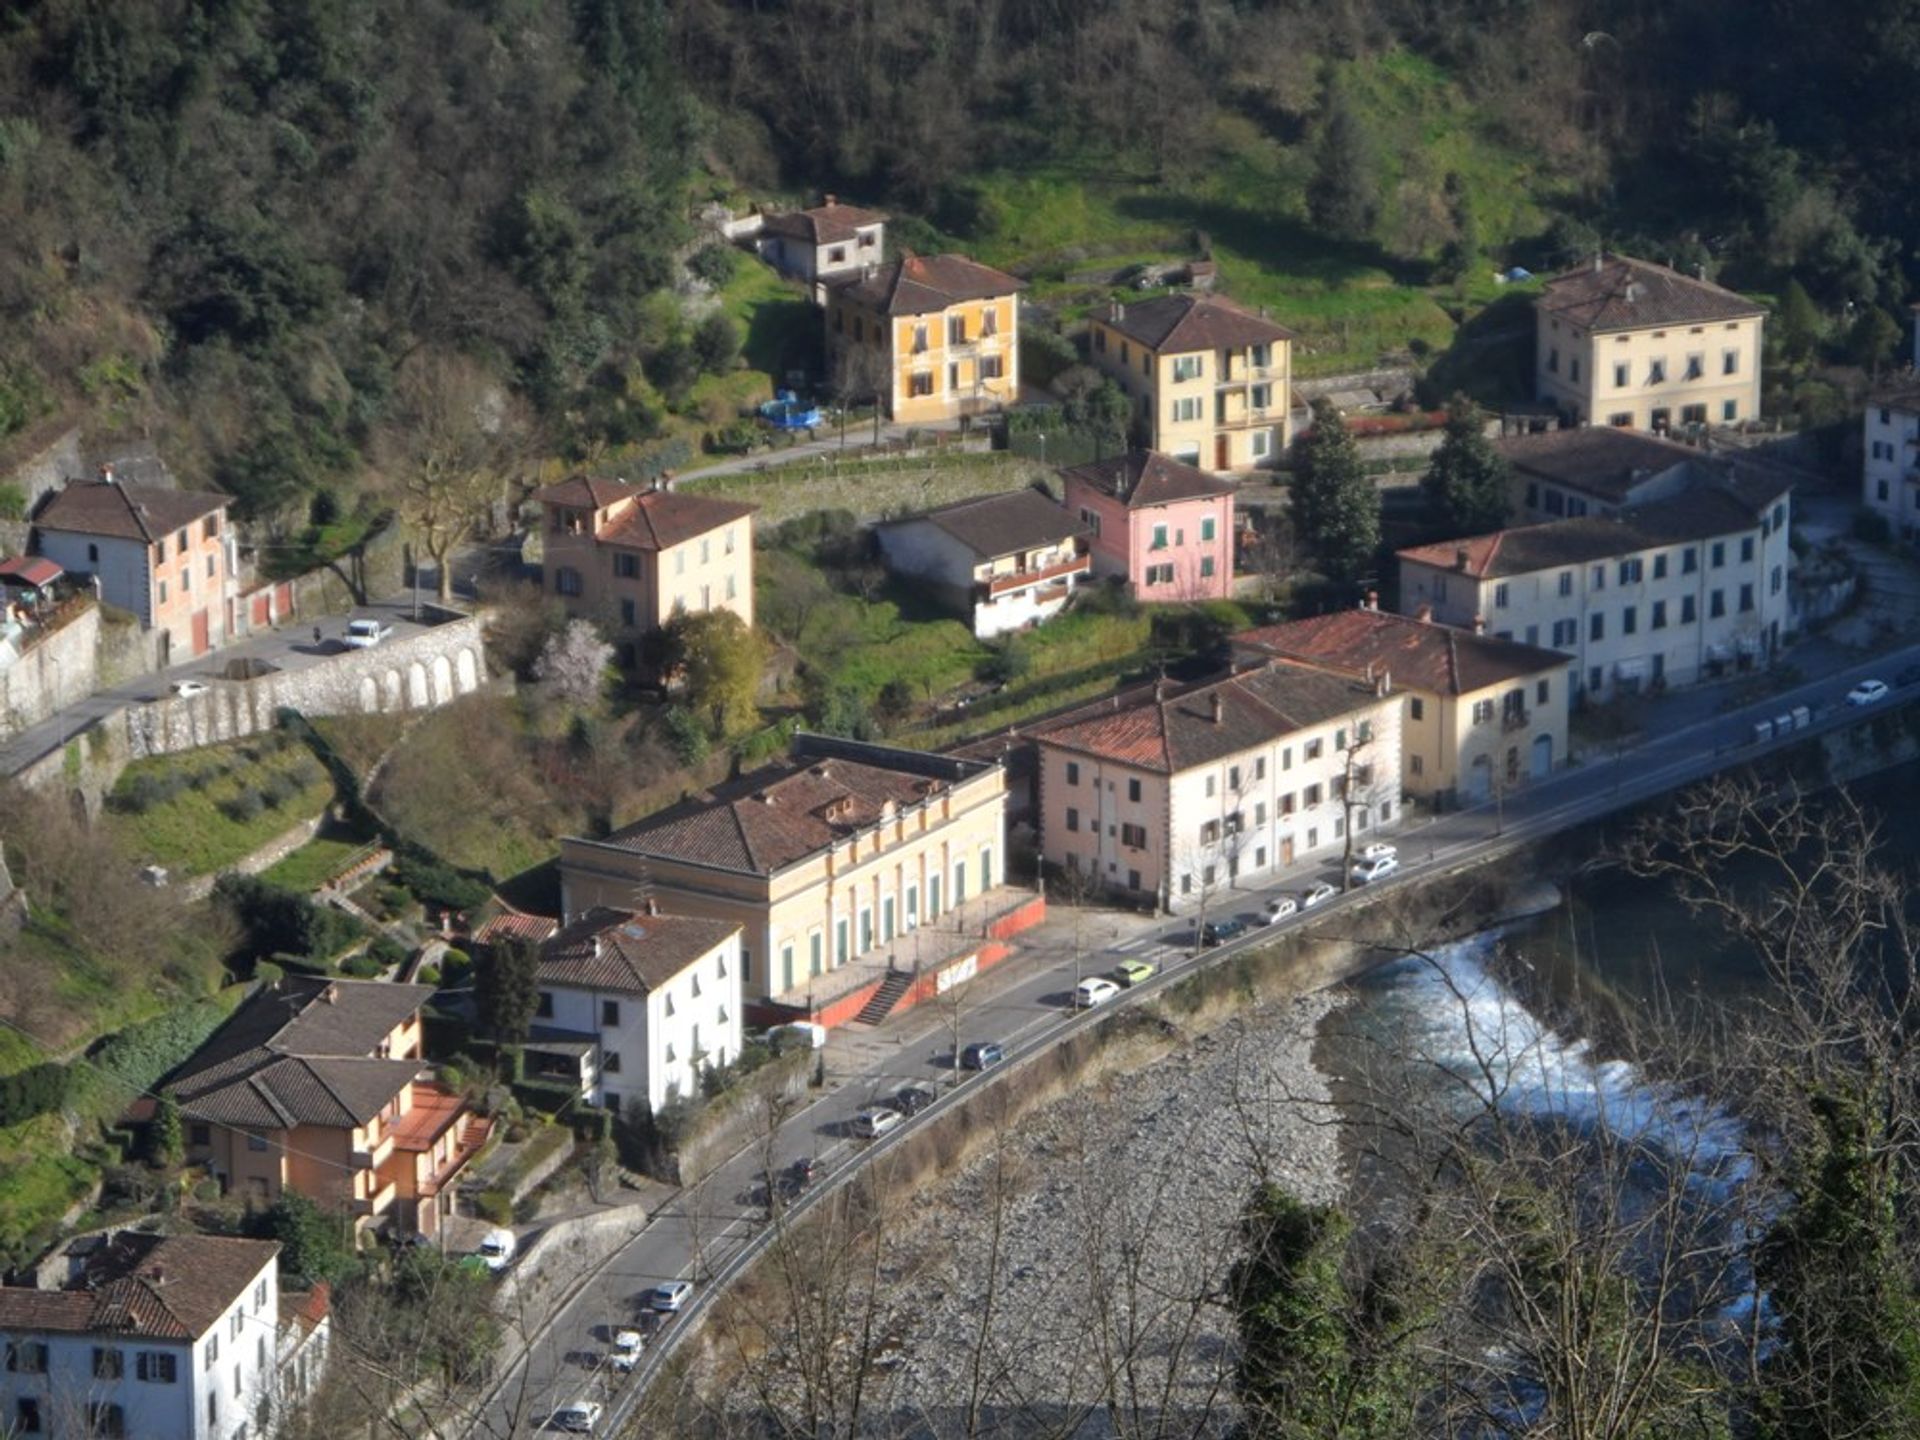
{"points": [[1342, 196], [1336, 509], [1468, 481]]}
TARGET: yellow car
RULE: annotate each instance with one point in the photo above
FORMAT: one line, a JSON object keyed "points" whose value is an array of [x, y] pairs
{"points": [[1133, 972]]}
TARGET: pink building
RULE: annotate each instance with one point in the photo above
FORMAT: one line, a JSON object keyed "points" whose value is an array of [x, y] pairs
{"points": [[1164, 526]]}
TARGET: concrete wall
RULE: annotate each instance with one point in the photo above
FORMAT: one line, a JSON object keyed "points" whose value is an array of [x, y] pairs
{"points": [[58, 670], [414, 671]]}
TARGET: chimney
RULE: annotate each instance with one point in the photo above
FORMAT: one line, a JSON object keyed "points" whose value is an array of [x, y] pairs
{"points": [[1119, 310], [1460, 558], [1383, 684], [1596, 262], [1425, 613], [1159, 689], [106, 474], [653, 905], [831, 199], [1634, 291], [1479, 624], [1218, 706], [331, 995], [1699, 271], [1372, 602]]}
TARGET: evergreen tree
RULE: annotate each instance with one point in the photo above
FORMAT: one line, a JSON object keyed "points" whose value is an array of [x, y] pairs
{"points": [[506, 989], [312, 1243], [1341, 196], [166, 1145], [1336, 509], [1462, 252], [1467, 481], [1800, 323], [1871, 341]]}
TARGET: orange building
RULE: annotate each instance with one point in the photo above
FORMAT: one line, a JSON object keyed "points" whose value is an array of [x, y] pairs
{"points": [[935, 336]]}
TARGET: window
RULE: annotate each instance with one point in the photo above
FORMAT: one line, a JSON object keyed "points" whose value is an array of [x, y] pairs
{"points": [[990, 321], [1126, 353], [1159, 574], [1553, 361], [1629, 620], [1134, 837], [213, 1350], [1186, 367], [1656, 372], [1596, 678], [213, 1409], [1696, 366], [260, 1296], [1659, 618], [1207, 530], [1286, 803], [1187, 408], [1719, 553], [814, 946], [1206, 565], [108, 1363], [1566, 582], [1415, 765], [1416, 707], [1500, 596], [992, 367], [211, 567], [1729, 409], [1689, 561], [1746, 598], [234, 1322], [163, 592], [1482, 712], [1073, 772], [1340, 739], [1746, 549], [543, 1010], [1210, 833], [1233, 777], [1565, 632], [1133, 791], [1541, 691], [921, 383], [1716, 604], [1259, 767], [1688, 610], [629, 615], [1730, 365], [257, 1143], [160, 551], [609, 1013], [566, 581], [953, 377], [626, 565], [842, 942], [1259, 813], [1620, 381], [1599, 577], [1159, 537], [1596, 626], [920, 339], [1573, 369], [1312, 749], [1773, 582], [1073, 818], [1286, 757], [1210, 786], [956, 329], [1621, 420], [1630, 572], [27, 1415], [105, 1420], [1310, 796], [1660, 566]]}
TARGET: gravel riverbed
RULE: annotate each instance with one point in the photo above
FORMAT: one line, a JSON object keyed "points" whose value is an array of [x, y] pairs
{"points": [[1071, 1279]]}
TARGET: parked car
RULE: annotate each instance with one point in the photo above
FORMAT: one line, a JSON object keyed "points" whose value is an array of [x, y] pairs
{"points": [[1317, 895], [876, 1120], [1378, 868], [496, 1250], [981, 1055], [1130, 973], [912, 1099], [186, 689], [1219, 932], [667, 1299], [1378, 849], [579, 1418], [1280, 908], [365, 634], [1867, 692], [627, 1346], [1095, 990]]}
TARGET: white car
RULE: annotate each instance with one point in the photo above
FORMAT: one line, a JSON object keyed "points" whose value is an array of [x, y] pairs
{"points": [[365, 634], [1867, 692], [496, 1250], [1279, 909], [1377, 850], [579, 1418], [1093, 991], [875, 1121], [627, 1346], [668, 1298], [1378, 868], [186, 689], [1318, 895]]}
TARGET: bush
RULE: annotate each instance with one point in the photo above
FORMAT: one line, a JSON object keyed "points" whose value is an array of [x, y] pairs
{"points": [[429, 975], [280, 921], [436, 882], [496, 1206], [455, 966], [244, 806], [712, 263], [138, 1056], [686, 736], [387, 950], [33, 1091]]}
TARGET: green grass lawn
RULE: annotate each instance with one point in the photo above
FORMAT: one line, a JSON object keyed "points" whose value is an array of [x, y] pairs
{"points": [[217, 804], [780, 327], [314, 863]]}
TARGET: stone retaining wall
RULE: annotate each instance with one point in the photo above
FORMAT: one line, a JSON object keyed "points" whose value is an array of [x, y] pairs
{"points": [[57, 670]]}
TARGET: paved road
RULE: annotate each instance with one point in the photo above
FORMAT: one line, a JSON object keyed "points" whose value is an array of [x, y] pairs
{"points": [[1023, 1004], [291, 647]]}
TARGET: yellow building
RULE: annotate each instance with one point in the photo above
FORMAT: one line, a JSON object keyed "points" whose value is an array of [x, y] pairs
{"points": [[936, 336], [631, 559], [828, 861], [1621, 342], [1212, 381], [1482, 714]]}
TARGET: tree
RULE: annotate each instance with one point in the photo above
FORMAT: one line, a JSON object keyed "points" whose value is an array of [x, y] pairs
{"points": [[1335, 507], [1801, 325], [1468, 481], [506, 989], [573, 664], [720, 657], [716, 340], [1462, 250], [1342, 195], [1871, 341], [313, 1244], [166, 1145], [458, 431]]}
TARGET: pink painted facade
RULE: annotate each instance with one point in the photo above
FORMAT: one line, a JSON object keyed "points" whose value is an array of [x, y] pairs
{"points": [[1170, 541]]}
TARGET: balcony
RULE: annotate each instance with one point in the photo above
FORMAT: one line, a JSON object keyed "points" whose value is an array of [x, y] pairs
{"points": [[1512, 720], [1000, 585], [377, 1203], [1245, 375]]}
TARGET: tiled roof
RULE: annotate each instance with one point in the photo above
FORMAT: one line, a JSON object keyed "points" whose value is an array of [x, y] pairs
{"points": [[661, 519], [1415, 654], [1700, 514], [1003, 524], [1212, 721], [29, 570], [828, 224], [586, 492], [621, 950], [511, 924], [925, 284], [125, 512], [785, 812], [1899, 391], [302, 1051], [1621, 293], [172, 1287], [1599, 460], [1142, 478], [1177, 324]]}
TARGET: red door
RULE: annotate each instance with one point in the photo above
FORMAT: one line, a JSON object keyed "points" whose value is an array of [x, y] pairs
{"points": [[1221, 454], [202, 641], [261, 618]]}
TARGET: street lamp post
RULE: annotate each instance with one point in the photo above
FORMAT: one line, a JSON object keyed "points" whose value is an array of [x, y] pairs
{"points": [[1042, 436]]}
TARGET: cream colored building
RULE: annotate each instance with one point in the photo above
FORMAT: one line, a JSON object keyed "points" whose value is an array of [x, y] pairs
{"points": [[1890, 482], [1482, 714], [825, 861], [1188, 795], [1622, 342], [631, 559], [936, 336], [1212, 381], [1661, 594], [1003, 562]]}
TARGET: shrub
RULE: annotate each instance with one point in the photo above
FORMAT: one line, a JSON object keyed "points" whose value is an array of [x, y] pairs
{"points": [[686, 736], [712, 263], [33, 1091], [387, 950], [495, 1205], [140, 1054], [280, 921], [244, 806], [429, 974], [434, 881], [455, 966]]}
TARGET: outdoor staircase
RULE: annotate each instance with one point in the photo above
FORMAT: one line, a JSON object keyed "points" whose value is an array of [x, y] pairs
{"points": [[885, 998]]}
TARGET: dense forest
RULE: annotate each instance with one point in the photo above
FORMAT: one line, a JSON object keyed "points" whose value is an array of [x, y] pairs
{"points": [[233, 224]]}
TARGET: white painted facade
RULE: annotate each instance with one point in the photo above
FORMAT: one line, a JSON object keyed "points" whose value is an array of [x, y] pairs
{"points": [[653, 1046], [1890, 484], [994, 595]]}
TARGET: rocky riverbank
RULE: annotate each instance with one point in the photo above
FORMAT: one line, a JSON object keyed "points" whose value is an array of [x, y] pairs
{"points": [[1074, 1274]]}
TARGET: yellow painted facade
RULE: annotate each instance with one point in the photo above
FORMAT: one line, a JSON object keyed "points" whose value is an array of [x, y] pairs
{"points": [[931, 361]]}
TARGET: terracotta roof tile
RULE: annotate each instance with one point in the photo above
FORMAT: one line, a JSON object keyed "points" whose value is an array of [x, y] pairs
{"points": [[145, 1286], [1416, 654], [586, 492], [1143, 478], [1600, 460], [926, 284], [1174, 324], [607, 949], [1621, 293], [828, 224], [1003, 524], [661, 519], [125, 512]]}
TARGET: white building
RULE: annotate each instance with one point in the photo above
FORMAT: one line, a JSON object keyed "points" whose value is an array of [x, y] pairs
{"points": [[158, 1338], [1891, 444], [831, 241], [1661, 594], [1182, 796], [647, 1001], [1003, 562]]}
